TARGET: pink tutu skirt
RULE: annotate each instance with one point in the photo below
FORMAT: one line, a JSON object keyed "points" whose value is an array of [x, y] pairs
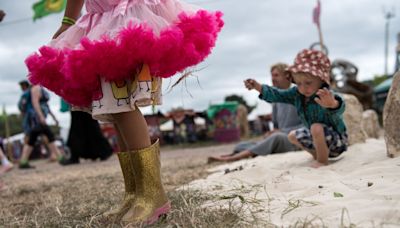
{"points": [[117, 53]]}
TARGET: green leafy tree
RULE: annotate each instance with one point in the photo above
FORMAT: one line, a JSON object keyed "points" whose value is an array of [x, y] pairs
{"points": [[15, 123], [240, 100], [378, 79]]}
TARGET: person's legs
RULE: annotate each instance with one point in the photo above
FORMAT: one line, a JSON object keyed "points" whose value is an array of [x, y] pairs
{"points": [[6, 165], [133, 129], [234, 157], [54, 151], [76, 138], [24, 160], [129, 179], [239, 152], [277, 142], [321, 148], [123, 147], [28, 148], [294, 140], [97, 143], [142, 169], [241, 147]]}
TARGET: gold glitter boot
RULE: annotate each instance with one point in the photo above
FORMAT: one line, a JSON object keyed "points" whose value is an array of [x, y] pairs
{"points": [[130, 187], [150, 199]]}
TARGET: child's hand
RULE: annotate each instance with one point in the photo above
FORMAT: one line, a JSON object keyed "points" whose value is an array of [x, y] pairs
{"points": [[326, 99], [61, 30], [252, 84]]}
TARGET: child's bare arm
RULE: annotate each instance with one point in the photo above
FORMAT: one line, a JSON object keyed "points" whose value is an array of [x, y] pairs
{"points": [[72, 10]]}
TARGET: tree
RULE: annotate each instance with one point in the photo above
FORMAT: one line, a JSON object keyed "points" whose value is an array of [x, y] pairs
{"points": [[378, 79], [240, 100], [15, 123]]}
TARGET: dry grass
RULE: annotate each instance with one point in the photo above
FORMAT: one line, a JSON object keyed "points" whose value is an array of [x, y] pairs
{"points": [[76, 196]]}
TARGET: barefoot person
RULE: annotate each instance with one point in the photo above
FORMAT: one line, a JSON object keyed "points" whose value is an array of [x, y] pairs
{"points": [[285, 119], [6, 165], [320, 109]]}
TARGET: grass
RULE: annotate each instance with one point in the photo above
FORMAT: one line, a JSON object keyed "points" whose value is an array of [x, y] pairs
{"points": [[76, 196], [50, 206]]}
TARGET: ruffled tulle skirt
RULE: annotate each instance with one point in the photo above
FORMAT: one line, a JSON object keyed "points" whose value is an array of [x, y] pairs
{"points": [[114, 57]]}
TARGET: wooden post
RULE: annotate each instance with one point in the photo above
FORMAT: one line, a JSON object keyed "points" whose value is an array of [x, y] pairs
{"points": [[7, 130]]}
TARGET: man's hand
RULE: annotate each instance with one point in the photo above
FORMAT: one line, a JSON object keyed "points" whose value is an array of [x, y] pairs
{"points": [[42, 120], [252, 84], [326, 99]]}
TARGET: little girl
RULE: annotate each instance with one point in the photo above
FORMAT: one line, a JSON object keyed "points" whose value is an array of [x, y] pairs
{"points": [[320, 109], [111, 61]]}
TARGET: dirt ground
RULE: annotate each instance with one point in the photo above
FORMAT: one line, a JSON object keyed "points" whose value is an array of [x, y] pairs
{"points": [[77, 195]]}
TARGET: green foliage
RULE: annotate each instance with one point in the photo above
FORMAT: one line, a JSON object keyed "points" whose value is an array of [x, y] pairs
{"points": [[14, 122], [240, 100], [378, 79]]}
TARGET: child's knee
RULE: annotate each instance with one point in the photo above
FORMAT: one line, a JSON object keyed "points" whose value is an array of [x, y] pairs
{"points": [[317, 129], [292, 137]]}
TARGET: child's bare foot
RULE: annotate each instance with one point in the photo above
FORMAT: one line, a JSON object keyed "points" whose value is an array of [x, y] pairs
{"points": [[6, 168], [213, 159], [313, 154], [316, 164], [226, 155]]}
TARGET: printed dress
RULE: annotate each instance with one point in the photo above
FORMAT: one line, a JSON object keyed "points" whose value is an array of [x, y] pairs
{"points": [[116, 55]]}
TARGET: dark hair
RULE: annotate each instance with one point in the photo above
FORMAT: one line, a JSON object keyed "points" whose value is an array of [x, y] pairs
{"points": [[24, 83]]}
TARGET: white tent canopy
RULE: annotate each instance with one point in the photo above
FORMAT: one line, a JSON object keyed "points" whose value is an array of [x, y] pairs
{"points": [[169, 125]]}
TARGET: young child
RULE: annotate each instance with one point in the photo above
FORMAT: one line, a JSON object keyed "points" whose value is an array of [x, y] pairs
{"points": [[320, 109], [111, 61]]}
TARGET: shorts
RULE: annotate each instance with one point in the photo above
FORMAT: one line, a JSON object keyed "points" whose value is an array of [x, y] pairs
{"points": [[337, 143], [39, 130]]}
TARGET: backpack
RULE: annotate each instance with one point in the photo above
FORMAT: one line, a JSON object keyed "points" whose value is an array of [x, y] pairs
{"points": [[25, 103]]}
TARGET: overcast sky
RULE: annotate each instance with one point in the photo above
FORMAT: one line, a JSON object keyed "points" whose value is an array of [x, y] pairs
{"points": [[257, 34]]}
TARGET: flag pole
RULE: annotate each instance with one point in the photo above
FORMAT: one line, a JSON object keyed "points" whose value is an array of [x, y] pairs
{"points": [[321, 41], [7, 131], [316, 20]]}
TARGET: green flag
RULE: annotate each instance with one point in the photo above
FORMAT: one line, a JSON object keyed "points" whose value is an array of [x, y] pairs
{"points": [[46, 7]]}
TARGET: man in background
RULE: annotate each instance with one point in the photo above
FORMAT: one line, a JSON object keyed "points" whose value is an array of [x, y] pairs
{"points": [[285, 119]]}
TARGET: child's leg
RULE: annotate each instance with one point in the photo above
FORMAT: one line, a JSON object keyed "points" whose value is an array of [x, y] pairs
{"points": [[293, 140], [133, 129], [321, 148], [150, 200], [120, 140], [129, 179]]}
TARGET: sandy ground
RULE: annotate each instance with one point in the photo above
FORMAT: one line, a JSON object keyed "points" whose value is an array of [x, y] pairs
{"points": [[361, 189]]}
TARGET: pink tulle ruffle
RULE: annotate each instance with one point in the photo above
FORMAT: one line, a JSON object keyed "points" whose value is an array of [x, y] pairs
{"points": [[74, 74]]}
